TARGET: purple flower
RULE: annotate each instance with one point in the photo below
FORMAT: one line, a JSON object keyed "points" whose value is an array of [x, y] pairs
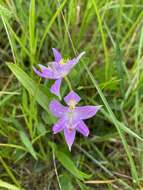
{"points": [[71, 117], [57, 70]]}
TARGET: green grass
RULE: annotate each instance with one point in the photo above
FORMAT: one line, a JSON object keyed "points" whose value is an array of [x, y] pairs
{"points": [[110, 74]]}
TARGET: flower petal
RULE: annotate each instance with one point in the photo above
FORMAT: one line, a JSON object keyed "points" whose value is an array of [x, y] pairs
{"points": [[57, 109], [57, 55], [50, 71], [86, 112], [46, 72], [72, 96], [69, 136], [59, 126], [71, 63], [57, 69], [79, 56], [40, 74], [82, 128], [55, 88]]}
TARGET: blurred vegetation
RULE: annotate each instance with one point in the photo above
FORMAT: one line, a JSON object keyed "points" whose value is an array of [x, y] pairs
{"points": [[111, 33]]}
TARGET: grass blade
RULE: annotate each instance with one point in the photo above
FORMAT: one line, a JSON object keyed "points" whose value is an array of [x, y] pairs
{"points": [[114, 120], [50, 24], [4, 184], [30, 85]]}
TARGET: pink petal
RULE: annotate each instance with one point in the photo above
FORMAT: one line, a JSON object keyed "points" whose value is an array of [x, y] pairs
{"points": [[71, 63], [82, 128], [45, 72], [57, 55], [59, 126], [57, 69], [57, 109], [72, 96], [79, 56], [86, 112], [40, 74], [55, 88], [69, 136]]}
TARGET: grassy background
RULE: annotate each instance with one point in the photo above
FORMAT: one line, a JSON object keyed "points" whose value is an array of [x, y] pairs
{"points": [[111, 33]]}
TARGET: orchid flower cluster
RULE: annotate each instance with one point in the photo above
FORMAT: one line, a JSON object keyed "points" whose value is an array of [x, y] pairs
{"points": [[71, 117]]}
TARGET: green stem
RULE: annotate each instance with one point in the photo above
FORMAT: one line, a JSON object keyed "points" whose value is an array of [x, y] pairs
{"points": [[69, 83]]}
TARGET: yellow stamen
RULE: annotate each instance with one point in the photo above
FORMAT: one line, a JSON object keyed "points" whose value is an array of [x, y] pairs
{"points": [[72, 104], [63, 61]]}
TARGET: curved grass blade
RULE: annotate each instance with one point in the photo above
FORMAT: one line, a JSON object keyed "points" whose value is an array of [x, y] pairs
{"points": [[70, 166], [5, 12], [50, 24], [4, 184], [27, 143], [68, 163], [30, 85]]}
